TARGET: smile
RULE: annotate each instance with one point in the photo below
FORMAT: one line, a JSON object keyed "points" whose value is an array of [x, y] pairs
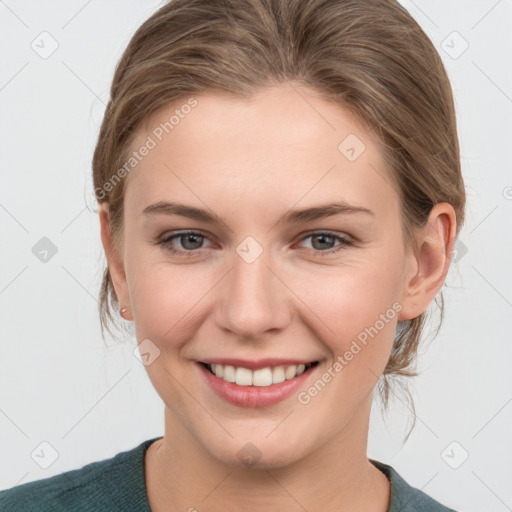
{"points": [[261, 377], [267, 383]]}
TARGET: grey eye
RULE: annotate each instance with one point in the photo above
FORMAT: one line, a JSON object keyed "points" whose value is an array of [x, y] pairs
{"points": [[191, 241]]}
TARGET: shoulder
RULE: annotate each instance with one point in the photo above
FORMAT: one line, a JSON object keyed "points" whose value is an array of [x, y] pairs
{"points": [[404, 497], [111, 484]]}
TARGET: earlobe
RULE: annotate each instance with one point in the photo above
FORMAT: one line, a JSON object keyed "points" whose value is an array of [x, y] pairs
{"points": [[114, 260], [430, 262]]}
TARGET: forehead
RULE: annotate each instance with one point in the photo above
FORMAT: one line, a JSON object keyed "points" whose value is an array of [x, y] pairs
{"points": [[281, 145]]}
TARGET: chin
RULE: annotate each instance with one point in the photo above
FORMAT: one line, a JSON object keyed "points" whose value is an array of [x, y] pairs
{"points": [[260, 453]]}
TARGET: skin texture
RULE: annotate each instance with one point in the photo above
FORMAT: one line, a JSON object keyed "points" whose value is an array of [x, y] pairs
{"points": [[250, 162]]}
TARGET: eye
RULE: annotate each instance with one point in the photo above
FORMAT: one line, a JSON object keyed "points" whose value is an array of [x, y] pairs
{"points": [[322, 242], [190, 241]]}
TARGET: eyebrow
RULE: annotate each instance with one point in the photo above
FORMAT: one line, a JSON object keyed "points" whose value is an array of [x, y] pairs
{"points": [[293, 216]]}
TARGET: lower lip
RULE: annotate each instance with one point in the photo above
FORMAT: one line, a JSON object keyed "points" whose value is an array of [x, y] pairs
{"points": [[255, 396]]}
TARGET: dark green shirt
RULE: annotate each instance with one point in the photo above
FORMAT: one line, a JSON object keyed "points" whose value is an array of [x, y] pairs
{"points": [[117, 484]]}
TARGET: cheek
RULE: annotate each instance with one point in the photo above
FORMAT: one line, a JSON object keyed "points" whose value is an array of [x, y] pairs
{"points": [[166, 297], [356, 310], [361, 313], [349, 300]]}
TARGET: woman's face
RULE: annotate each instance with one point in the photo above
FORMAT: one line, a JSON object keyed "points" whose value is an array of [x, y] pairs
{"points": [[259, 284]]}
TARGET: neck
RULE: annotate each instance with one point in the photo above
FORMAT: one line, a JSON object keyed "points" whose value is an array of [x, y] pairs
{"points": [[181, 475]]}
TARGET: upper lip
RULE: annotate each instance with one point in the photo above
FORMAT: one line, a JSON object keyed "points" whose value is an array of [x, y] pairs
{"points": [[256, 364]]}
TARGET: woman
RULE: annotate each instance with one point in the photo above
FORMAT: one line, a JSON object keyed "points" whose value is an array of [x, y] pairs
{"points": [[279, 192]]}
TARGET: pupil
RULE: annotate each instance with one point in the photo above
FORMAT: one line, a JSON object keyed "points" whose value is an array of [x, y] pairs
{"points": [[188, 237], [323, 237]]}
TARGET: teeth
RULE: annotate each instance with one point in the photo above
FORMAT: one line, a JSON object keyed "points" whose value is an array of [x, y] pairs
{"points": [[262, 377], [243, 377], [278, 375], [290, 372], [229, 373]]}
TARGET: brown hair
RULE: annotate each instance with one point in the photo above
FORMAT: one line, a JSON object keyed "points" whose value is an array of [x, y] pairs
{"points": [[370, 56]]}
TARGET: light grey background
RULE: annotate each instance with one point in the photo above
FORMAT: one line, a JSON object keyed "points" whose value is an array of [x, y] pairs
{"points": [[61, 385]]}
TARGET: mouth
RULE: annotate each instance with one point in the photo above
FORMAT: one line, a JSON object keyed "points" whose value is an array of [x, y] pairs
{"points": [[261, 377]]}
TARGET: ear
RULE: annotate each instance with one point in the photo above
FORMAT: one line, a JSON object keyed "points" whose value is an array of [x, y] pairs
{"points": [[115, 261], [428, 264]]}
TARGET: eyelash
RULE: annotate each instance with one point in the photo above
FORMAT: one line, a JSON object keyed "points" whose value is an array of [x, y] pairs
{"points": [[345, 242]]}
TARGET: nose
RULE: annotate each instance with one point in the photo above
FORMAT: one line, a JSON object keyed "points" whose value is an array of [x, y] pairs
{"points": [[254, 299]]}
